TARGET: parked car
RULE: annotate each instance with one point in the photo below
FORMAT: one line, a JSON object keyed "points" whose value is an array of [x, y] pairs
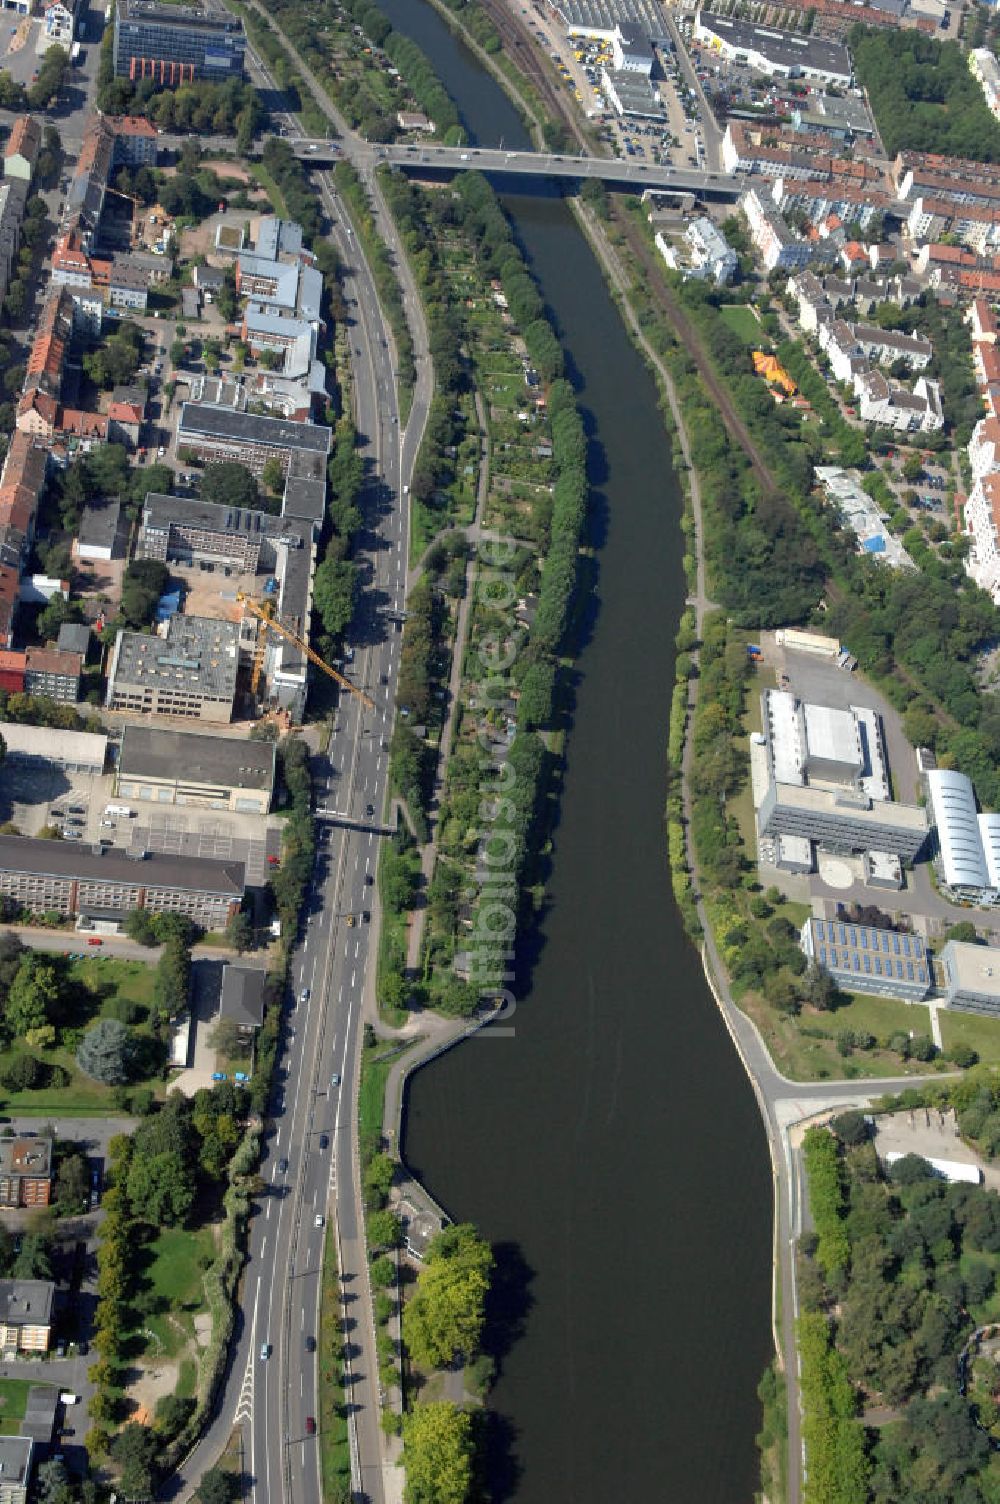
{"points": [[95, 940]]}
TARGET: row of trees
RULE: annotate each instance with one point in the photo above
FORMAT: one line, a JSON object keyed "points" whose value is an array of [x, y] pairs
{"points": [[221, 109]]}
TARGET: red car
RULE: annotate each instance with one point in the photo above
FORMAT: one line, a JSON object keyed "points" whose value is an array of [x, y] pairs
{"points": [[310, 1426], [94, 941], [272, 861]]}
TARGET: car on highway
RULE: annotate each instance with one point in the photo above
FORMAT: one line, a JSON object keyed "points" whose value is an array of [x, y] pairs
{"points": [[335, 1079], [366, 916], [310, 1426], [318, 1220], [282, 1166], [369, 810], [304, 995], [310, 1344], [265, 1351], [368, 879], [324, 1141]]}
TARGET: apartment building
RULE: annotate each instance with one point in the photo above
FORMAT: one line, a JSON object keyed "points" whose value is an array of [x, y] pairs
{"points": [[53, 673], [26, 1313], [846, 343], [190, 673], [20, 156], [101, 882], [25, 1172], [774, 242], [13, 197], [177, 44], [16, 1462], [888, 405], [135, 141]]}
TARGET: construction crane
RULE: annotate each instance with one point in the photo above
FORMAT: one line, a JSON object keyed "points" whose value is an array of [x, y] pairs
{"points": [[269, 622]]}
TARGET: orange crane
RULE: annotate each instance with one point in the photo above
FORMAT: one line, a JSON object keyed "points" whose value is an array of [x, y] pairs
{"points": [[269, 622]]}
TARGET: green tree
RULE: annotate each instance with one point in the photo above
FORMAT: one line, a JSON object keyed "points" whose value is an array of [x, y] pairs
{"points": [[107, 1052], [384, 1229], [161, 1188], [216, 1487], [239, 931], [72, 1184], [444, 1319], [273, 476], [437, 1453], [34, 996], [334, 593], [230, 484], [134, 1448]]}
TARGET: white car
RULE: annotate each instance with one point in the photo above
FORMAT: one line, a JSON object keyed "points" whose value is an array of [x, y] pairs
{"points": [[160, 452], [318, 1220]]}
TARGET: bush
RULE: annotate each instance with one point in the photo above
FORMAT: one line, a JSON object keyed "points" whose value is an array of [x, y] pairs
{"points": [[23, 1073]]}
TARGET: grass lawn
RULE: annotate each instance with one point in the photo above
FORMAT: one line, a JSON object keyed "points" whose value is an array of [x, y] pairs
{"points": [[105, 979], [814, 1056], [741, 319], [334, 1446], [983, 1034], [176, 1273], [13, 1403]]}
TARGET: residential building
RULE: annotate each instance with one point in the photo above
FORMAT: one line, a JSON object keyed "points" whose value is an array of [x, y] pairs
{"points": [[69, 878], [25, 1171], [52, 673], [242, 997], [13, 197], [982, 521], [777, 247], [20, 155], [780, 54], [89, 183], [26, 1306], [177, 44], [840, 116], [970, 977], [59, 22], [413, 120], [711, 253], [16, 1462], [862, 958], [74, 637], [126, 414], [187, 768], [135, 141], [984, 447], [12, 673], [191, 672], [890, 406]]}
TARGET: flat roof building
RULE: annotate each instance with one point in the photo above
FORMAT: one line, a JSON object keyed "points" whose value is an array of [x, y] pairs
{"points": [[74, 751], [99, 882], [16, 1461], [25, 1171], [191, 672], [970, 977], [201, 532], [219, 433], [176, 44], [782, 54], [188, 768], [863, 958]]}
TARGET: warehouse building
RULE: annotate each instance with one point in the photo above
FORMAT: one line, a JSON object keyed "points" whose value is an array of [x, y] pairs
{"points": [[779, 54], [966, 843], [190, 673], [184, 767], [73, 751], [99, 882]]}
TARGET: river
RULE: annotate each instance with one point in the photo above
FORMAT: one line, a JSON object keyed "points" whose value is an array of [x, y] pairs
{"points": [[610, 1147]]}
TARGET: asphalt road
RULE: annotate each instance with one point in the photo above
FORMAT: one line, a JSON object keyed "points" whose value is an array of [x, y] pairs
{"points": [[310, 1161]]}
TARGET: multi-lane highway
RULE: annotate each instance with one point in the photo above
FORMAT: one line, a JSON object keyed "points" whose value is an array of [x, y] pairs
{"points": [[537, 164], [310, 1159]]}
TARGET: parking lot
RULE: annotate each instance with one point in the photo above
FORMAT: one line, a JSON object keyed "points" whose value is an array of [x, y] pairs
{"points": [[215, 833], [36, 794]]}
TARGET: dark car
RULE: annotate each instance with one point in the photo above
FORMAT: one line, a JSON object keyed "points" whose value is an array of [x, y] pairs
{"points": [[282, 1166], [310, 1344], [369, 810], [324, 1141], [368, 879], [310, 1426]]}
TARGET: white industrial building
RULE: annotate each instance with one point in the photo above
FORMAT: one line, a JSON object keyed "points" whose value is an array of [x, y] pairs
{"points": [[967, 843], [820, 774], [73, 751], [632, 50], [779, 54]]}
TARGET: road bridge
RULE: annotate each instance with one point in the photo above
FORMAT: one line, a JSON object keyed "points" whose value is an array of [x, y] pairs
{"points": [[616, 171]]}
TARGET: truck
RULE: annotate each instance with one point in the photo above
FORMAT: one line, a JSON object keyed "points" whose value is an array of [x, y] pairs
{"points": [[119, 809]]}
